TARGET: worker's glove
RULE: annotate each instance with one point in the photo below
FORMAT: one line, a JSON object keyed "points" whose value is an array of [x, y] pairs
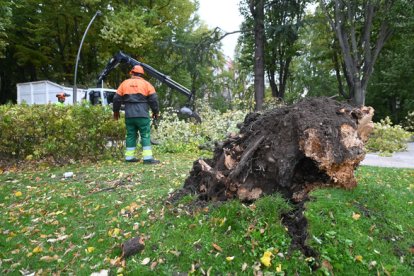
{"points": [[116, 116], [155, 116]]}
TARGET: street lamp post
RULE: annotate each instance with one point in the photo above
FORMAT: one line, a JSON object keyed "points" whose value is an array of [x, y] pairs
{"points": [[75, 89]]}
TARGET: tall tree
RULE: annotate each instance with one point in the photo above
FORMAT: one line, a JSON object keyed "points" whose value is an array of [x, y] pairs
{"points": [[362, 28], [44, 40], [314, 71], [256, 8], [390, 91], [169, 38], [5, 22], [283, 20]]}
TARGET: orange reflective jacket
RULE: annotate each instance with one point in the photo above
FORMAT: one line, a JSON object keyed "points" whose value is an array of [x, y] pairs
{"points": [[138, 95], [135, 85]]}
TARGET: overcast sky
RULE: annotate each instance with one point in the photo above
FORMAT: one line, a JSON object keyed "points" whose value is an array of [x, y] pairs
{"points": [[224, 14]]}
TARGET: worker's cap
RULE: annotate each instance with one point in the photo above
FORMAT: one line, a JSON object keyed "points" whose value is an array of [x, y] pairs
{"points": [[62, 95], [137, 69]]}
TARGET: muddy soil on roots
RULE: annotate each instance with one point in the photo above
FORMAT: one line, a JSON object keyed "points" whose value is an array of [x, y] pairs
{"points": [[292, 150]]}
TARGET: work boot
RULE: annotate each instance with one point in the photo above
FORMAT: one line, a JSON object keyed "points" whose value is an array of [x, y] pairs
{"points": [[151, 162], [154, 142], [132, 160]]}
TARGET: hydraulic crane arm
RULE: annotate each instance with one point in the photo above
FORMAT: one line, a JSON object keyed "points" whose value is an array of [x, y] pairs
{"points": [[120, 57]]}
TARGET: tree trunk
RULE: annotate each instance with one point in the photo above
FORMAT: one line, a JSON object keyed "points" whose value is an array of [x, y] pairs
{"points": [[355, 30], [257, 10], [272, 83], [359, 94]]}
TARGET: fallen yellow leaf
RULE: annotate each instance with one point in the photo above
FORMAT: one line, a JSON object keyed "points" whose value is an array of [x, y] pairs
{"points": [[229, 259], [37, 249], [18, 194], [90, 249], [266, 258], [279, 268], [356, 216], [114, 232], [358, 258]]}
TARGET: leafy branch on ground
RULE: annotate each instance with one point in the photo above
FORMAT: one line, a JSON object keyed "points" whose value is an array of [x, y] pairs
{"points": [[388, 138]]}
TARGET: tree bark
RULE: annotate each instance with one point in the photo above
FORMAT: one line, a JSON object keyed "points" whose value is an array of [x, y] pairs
{"points": [[257, 11]]}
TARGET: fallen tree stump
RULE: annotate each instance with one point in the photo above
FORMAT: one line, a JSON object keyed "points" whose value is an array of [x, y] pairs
{"points": [[315, 143]]}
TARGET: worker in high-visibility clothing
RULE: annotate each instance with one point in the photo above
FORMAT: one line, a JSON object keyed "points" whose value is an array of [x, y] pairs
{"points": [[139, 96], [61, 98]]}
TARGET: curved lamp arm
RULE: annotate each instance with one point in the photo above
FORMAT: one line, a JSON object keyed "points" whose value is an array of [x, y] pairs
{"points": [[75, 89]]}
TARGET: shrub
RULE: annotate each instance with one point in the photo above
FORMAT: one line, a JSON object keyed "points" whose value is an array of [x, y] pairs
{"points": [[409, 122], [61, 133], [88, 132], [176, 135], [387, 138]]}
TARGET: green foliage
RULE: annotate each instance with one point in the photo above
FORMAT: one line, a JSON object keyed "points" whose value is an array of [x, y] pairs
{"points": [[178, 135], [89, 132], [409, 122], [388, 138], [43, 39], [283, 21], [62, 133], [134, 34], [312, 71], [271, 103], [390, 92], [5, 15]]}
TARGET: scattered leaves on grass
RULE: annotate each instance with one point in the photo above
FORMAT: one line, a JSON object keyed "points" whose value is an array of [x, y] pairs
{"points": [[217, 247], [266, 258], [114, 232], [153, 265], [145, 261], [358, 258], [356, 216], [49, 259], [37, 249], [327, 265], [103, 272], [279, 268], [59, 238], [175, 253]]}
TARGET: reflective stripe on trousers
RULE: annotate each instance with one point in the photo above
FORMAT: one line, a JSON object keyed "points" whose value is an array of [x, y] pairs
{"points": [[129, 153], [146, 153]]}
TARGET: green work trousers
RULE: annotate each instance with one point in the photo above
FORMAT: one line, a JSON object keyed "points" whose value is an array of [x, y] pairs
{"points": [[133, 125]]}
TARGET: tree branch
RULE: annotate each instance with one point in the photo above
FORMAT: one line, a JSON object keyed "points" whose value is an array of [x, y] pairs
{"points": [[351, 19]]}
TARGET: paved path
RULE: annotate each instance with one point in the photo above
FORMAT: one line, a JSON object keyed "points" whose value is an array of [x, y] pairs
{"points": [[403, 159]]}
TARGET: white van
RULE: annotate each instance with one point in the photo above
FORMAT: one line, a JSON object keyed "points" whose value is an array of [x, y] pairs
{"points": [[100, 96]]}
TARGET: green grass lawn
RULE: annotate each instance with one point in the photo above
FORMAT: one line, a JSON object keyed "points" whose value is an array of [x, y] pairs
{"points": [[50, 224]]}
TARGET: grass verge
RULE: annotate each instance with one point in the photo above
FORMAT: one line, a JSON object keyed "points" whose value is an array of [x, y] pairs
{"points": [[51, 224]]}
